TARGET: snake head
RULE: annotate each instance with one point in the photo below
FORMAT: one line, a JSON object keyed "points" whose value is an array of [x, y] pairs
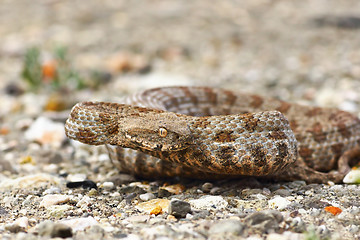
{"points": [[128, 126], [154, 131]]}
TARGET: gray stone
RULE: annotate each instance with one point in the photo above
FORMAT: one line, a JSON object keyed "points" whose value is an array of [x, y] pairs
{"points": [[14, 228], [179, 208], [200, 214], [229, 226], [298, 225], [164, 193], [206, 187], [282, 192], [265, 221], [51, 229]]}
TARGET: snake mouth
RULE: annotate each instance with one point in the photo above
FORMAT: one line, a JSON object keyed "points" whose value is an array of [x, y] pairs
{"points": [[143, 144]]}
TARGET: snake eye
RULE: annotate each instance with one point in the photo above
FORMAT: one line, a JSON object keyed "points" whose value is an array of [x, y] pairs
{"points": [[162, 132]]}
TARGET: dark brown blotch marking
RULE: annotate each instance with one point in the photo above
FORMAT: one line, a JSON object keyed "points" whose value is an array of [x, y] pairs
{"points": [[230, 98], [306, 153], [141, 164], [227, 151], [198, 156], [293, 125], [259, 156], [317, 132], [343, 117], [246, 165], [224, 156], [284, 107], [224, 136], [337, 149], [251, 123], [344, 130], [87, 135], [277, 135], [257, 101], [189, 94], [283, 152], [211, 96], [172, 103], [201, 123], [313, 112]]}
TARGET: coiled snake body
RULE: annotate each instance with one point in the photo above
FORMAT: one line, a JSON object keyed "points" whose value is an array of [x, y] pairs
{"points": [[202, 132]]}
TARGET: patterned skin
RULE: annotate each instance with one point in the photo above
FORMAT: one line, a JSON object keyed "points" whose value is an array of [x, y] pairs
{"points": [[209, 133]]}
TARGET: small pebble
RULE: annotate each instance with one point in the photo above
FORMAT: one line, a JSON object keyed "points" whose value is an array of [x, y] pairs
{"points": [[215, 191], [223, 227], [52, 190], [53, 230], [282, 192], [108, 186], [179, 208], [206, 187], [264, 221], [138, 219], [147, 196], [298, 225], [279, 203], [58, 210]]}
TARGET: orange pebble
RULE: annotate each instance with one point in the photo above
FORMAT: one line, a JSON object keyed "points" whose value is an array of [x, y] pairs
{"points": [[157, 210], [4, 131]]}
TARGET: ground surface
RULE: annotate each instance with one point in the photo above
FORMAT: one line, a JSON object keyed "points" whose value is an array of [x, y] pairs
{"points": [[301, 51]]}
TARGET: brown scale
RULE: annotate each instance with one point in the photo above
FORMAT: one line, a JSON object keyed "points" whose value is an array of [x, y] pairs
{"points": [[257, 144]]}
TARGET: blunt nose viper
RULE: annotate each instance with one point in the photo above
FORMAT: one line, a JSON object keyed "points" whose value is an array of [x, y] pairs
{"points": [[208, 133]]}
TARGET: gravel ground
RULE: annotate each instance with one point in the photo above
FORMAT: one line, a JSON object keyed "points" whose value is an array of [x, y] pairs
{"points": [[300, 51]]}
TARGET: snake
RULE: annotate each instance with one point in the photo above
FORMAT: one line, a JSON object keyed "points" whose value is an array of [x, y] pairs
{"points": [[213, 133]]}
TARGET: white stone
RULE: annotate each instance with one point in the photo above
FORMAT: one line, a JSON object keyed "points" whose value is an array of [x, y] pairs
{"points": [[278, 203], [52, 190], [79, 224], [58, 210], [76, 177], [53, 199], [209, 202], [22, 222], [146, 196], [85, 201], [108, 185]]}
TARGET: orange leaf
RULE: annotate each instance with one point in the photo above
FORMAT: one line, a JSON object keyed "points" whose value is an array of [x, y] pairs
{"points": [[49, 70], [333, 210]]}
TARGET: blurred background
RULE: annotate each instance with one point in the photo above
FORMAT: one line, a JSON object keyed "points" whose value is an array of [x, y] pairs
{"points": [[305, 51]]}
